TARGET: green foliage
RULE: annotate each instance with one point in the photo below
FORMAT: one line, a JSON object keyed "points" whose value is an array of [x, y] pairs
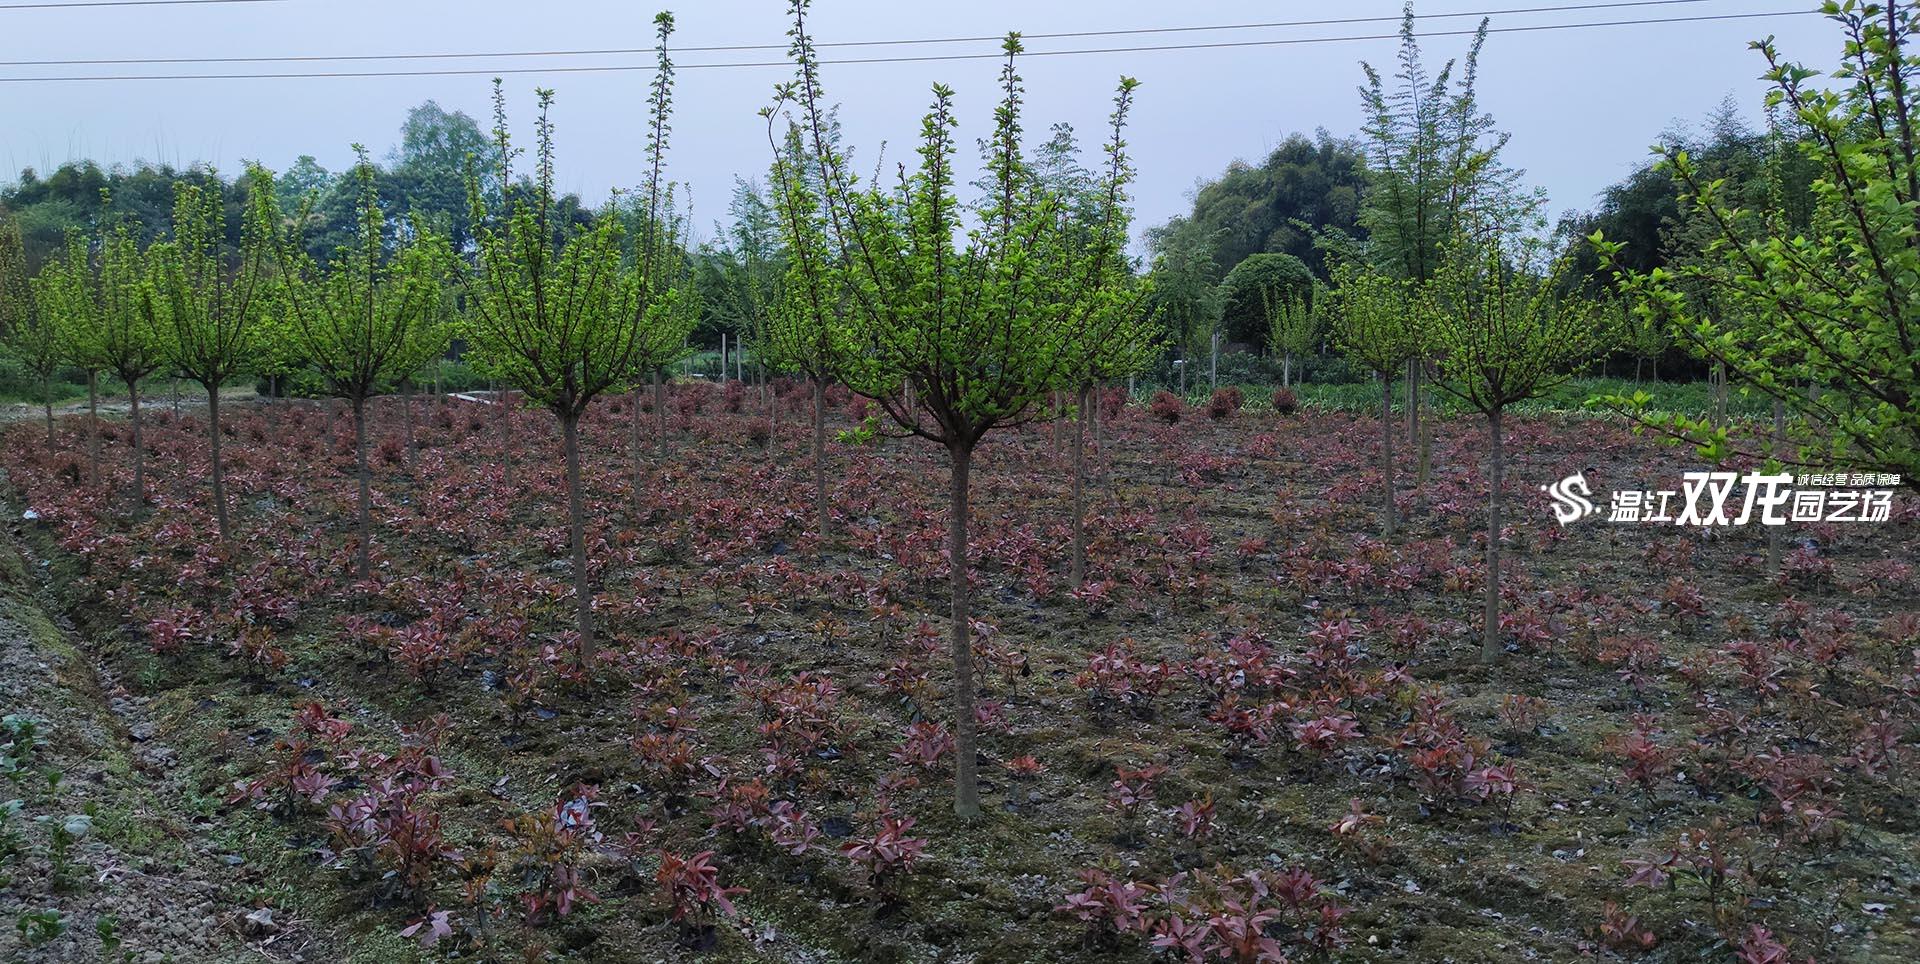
{"points": [[1304, 188], [1375, 317], [1253, 288], [29, 334], [1831, 304], [209, 311], [372, 316], [1434, 160], [1296, 321], [562, 321], [1504, 330]]}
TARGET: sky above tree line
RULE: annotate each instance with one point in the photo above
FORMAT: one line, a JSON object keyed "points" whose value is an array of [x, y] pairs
{"points": [[1582, 104]]}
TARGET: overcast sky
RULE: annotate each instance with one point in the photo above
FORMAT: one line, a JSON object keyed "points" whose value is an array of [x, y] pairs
{"points": [[1581, 105]]}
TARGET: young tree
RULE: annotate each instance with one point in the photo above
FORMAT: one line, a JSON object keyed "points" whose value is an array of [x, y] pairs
{"points": [[1838, 283], [1376, 323], [1506, 332], [1295, 322], [66, 291], [806, 324], [28, 332], [129, 336], [361, 321], [1434, 161], [978, 327], [211, 304], [557, 315]]}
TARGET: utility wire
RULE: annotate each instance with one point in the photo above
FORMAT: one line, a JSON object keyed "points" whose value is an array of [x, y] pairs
{"points": [[123, 3], [729, 48], [621, 68]]}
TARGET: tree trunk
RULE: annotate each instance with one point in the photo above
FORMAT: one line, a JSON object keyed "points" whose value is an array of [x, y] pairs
{"points": [[1386, 449], [93, 425], [1779, 450], [639, 451], [1079, 574], [1490, 638], [406, 419], [966, 787], [505, 397], [364, 522], [1286, 370], [46, 399], [139, 460], [1413, 402], [820, 455], [577, 523], [1637, 363], [660, 415], [219, 471]]}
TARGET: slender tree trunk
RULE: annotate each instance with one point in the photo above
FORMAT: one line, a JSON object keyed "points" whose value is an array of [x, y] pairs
{"points": [[139, 459], [1426, 448], [1779, 449], [1637, 363], [1413, 402], [174, 382], [820, 456], [93, 425], [1496, 464], [660, 415], [1099, 449], [46, 400], [219, 471], [1286, 370], [577, 523], [639, 450], [966, 785], [505, 397], [406, 419], [362, 563], [1079, 574], [1386, 450]]}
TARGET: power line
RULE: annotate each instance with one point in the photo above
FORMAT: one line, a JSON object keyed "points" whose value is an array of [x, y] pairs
{"points": [[731, 48], [621, 68], [124, 3]]}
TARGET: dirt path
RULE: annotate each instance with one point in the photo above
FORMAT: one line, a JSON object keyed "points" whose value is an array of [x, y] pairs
{"points": [[141, 879]]}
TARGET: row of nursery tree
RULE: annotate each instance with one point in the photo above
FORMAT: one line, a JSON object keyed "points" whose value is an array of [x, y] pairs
{"points": [[959, 316]]}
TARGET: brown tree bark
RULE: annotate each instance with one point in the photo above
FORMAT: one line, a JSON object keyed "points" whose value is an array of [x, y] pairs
{"points": [[139, 459], [505, 397], [966, 777], [820, 456], [362, 564], [1490, 638], [660, 415], [219, 470], [577, 523], [639, 450], [1078, 576], [1386, 449], [93, 426], [406, 419]]}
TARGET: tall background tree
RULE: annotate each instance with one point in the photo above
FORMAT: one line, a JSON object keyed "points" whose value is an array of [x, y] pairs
{"points": [[1378, 321], [1434, 168]]}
